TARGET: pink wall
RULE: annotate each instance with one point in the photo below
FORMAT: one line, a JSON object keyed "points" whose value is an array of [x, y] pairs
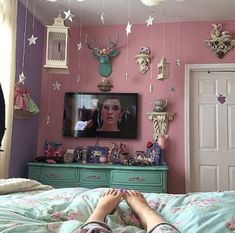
{"points": [[192, 51]]}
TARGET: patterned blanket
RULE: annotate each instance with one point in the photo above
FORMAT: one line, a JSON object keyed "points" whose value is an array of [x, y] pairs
{"points": [[64, 210]]}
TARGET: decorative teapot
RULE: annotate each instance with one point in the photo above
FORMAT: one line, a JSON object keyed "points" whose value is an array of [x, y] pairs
{"points": [[160, 105]]}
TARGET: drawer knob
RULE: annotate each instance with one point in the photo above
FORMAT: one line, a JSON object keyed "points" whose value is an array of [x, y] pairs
{"points": [[52, 175], [93, 177], [136, 179]]}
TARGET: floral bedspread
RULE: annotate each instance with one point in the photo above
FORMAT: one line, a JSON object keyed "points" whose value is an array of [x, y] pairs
{"points": [[64, 210]]}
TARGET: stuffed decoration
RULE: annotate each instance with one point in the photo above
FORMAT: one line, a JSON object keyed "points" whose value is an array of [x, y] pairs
{"points": [[53, 150], [23, 102]]}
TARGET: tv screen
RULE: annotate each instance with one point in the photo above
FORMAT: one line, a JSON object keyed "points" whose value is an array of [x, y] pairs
{"points": [[104, 115]]}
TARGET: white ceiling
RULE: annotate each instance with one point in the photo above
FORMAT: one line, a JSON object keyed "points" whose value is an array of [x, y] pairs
{"points": [[118, 11]]}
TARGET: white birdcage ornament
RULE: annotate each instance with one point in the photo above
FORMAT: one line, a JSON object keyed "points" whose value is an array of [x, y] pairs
{"points": [[163, 69], [57, 46]]}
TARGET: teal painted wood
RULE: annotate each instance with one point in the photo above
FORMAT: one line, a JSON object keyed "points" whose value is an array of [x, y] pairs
{"points": [[145, 179]]}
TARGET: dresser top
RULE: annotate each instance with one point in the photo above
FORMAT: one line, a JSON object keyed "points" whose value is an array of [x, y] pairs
{"points": [[99, 166]]}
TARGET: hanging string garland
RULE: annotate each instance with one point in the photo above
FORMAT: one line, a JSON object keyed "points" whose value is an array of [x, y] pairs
{"points": [[79, 45], [48, 119], [129, 25], [128, 31], [78, 78], [178, 62], [22, 76], [149, 22], [32, 39], [102, 16]]}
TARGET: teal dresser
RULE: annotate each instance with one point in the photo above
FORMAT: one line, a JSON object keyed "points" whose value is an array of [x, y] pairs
{"points": [[145, 179]]}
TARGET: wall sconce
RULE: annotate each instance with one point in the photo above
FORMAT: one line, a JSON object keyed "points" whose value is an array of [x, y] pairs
{"points": [[57, 46], [163, 69]]}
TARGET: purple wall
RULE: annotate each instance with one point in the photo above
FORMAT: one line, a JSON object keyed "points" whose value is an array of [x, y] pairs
{"points": [[25, 132]]}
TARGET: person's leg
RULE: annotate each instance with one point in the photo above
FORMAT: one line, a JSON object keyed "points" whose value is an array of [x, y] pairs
{"points": [[148, 217], [106, 205]]}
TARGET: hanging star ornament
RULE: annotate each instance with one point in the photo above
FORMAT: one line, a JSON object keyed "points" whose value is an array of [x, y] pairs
{"points": [[78, 78], [48, 120], [178, 62], [56, 86], [22, 78], [126, 75], [128, 28], [32, 39], [79, 46], [149, 20], [102, 16], [150, 88], [69, 15], [172, 90]]}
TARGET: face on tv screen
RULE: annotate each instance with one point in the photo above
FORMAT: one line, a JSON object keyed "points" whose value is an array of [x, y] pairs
{"points": [[104, 115]]}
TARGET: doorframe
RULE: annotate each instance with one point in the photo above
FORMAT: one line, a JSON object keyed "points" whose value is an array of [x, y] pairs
{"points": [[189, 68]]}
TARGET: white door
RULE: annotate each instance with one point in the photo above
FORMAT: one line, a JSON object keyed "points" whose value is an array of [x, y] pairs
{"points": [[212, 131]]}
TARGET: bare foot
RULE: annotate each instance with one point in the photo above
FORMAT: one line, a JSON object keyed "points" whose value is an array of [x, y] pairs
{"points": [[136, 201], [106, 204]]}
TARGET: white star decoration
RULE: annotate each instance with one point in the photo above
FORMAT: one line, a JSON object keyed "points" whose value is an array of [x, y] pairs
{"points": [[149, 20], [22, 78], [48, 120], [126, 75], [178, 62], [32, 40], [150, 88], [79, 46], [56, 85], [78, 78], [68, 15], [128, 28], [172, 90], [102, 17]]}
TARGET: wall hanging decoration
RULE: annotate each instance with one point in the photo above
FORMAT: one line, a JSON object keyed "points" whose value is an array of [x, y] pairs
{"points": [[172, 90], [57, 46], [221, 42], [163, 68], [143, 59], [32, 39], [104, 55], [68, 14], [178, 62], [128, 31], [160, 118], [56, 86], [221, 99], [79, 46], [102, 16], [24, 106]]}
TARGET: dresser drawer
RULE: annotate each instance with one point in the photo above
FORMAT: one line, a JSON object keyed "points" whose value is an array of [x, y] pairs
{"points": [[136, 178], [34, 173], [94, 176], [66, 174]]}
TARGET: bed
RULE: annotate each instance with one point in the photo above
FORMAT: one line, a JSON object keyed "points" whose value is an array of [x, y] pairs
{"points": [[28, 206]]}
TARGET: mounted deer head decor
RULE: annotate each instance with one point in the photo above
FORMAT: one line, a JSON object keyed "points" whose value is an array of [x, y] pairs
{"points": [[103, 55]]}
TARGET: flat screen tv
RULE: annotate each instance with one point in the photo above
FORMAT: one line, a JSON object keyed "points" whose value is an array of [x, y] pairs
{"points": [[102, 115]]}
